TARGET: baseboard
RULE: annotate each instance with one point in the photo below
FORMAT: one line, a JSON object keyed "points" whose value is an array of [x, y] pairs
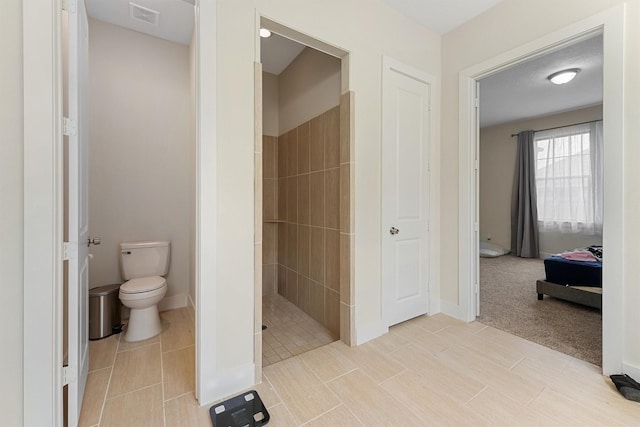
{"points": [[227, 384], [454, 310], [370, 331], [545, 255], [174, 301], [632, 371]]}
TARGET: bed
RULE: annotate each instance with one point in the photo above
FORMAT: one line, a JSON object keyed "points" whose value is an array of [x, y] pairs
{"points": [[575, 281]]}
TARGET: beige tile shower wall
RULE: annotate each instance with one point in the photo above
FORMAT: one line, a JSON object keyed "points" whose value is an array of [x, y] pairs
{"points": [[269, 214], [347, 218], [308, 241]]}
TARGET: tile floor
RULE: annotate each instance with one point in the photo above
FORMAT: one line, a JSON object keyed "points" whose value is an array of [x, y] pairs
{"points": [[137, 383], [289, 330], [427, 371]]}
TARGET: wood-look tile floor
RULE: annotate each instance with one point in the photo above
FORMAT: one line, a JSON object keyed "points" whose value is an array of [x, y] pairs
{"points": [[289, 331], [135, 384], [428, 371]]}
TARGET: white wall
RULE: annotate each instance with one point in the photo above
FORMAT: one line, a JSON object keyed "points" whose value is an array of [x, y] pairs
{"points": [[308, 87], [141, 150], [368, 30], [497, 167], [270, 105], [511, 24], [554, 243], [631, 194], [11, 212]]}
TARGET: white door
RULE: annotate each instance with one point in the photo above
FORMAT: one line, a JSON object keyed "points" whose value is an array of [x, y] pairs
{"points": [[476, 228], [405, 192], [78, 206]]}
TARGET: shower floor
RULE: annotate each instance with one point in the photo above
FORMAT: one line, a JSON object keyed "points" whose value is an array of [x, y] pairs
{"points": [[290, 331]]}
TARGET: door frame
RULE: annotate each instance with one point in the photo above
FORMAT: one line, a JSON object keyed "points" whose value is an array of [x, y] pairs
{"points": [[43, 214], [347, 173], [611, 24], [76, 205], [43, 208], [389, 65]]}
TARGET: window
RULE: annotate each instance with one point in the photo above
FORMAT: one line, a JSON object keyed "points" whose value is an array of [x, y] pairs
{"points": [[568, 166]]}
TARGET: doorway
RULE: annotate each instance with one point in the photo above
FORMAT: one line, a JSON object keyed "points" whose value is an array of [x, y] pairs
{"points": [[43, 197], [304, 225], [142, 158], [612, 101], [512, 101]]}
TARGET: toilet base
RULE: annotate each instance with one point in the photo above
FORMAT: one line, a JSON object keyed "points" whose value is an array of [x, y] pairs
{"points": [[144, 323]]}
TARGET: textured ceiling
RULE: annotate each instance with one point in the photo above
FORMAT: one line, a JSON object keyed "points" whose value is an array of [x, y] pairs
{"points": [[441, 16], [523, 91]]}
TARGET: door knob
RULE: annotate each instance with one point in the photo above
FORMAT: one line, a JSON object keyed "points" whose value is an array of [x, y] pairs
{"points": [[93, 241], [393, 231]]}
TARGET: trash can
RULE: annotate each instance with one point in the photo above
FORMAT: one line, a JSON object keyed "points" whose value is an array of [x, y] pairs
{"points": [[104, 311]]}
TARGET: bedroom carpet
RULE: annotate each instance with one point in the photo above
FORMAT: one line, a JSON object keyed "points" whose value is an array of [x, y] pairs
{"points": [[508, 301]]}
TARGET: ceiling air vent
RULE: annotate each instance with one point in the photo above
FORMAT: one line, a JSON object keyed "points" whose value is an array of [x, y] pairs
{"points": [[143, 14]]}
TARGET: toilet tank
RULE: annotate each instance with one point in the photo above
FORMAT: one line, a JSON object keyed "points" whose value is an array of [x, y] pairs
{"points": [[143, 259]]}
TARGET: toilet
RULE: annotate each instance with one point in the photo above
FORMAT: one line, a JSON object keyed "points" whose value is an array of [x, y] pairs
{"points": [[143, 264]]}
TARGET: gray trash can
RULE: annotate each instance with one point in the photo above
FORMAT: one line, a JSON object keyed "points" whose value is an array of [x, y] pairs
{"points": [[104, 311]]}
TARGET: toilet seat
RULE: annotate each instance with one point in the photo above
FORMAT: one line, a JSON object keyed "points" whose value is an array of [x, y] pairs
{"points": [[143, 284]]}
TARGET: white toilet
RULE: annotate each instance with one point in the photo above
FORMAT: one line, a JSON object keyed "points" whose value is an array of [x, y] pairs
{"points": [[143, 264]]}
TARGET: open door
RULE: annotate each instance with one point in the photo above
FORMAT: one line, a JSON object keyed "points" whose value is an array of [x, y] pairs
{"points": [[405, 192], [476, 233], [77, 253]]}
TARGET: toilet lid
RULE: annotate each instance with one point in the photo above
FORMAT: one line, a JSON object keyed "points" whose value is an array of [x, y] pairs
{"points": [[143, 284]]}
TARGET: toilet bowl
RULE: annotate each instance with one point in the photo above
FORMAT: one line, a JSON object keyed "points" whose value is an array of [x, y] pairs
{"points": [[142, 297], [143, 265]]}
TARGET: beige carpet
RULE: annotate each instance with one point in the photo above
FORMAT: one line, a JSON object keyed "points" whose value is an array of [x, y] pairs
{"points": [[508, 301]]}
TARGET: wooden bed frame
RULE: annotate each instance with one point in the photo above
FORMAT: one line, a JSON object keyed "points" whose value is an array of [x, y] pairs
{"points": [[585, 295]]}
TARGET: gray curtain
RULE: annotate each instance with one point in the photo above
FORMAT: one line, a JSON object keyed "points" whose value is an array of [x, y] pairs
{"points": [[524, 209]]}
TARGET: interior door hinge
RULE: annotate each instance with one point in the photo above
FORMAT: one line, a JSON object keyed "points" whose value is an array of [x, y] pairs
{"points": [[475, 226], [68, 126], [68, 375], [70, 5], [477, 165], [68, 250]]}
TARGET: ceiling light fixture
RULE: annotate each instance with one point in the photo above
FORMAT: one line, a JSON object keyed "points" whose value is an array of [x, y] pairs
{"points": [[564, 76], [265, 33]]}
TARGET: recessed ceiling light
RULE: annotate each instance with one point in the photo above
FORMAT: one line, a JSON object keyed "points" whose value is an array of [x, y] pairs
{"points": [[564, 76], [265, 33]]}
